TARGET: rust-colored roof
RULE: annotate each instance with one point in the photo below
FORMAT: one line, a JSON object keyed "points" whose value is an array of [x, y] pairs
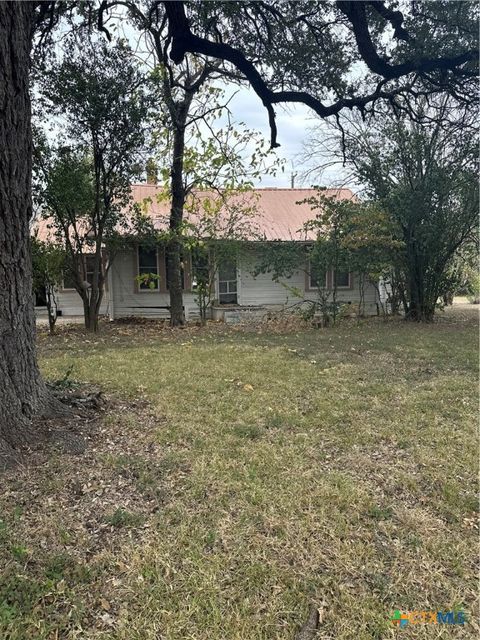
{"points": [[42, 229], [282, 218], [276, 216]]}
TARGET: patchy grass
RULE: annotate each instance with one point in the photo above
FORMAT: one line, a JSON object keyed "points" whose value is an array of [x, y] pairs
{"points": [[242, 477]]}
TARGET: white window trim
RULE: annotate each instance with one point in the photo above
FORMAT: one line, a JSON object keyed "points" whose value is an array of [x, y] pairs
{"points": [[217, 283], [157, 283]]}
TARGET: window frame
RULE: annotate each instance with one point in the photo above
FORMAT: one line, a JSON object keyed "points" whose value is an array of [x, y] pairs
{"points": [[139, 288], [312, 287], [308, 278], [342, 286], [236, 292], [64, 288], [329, 280], [87, 256], [162, 285], [84, 260], [183, 272], [192, 269]]}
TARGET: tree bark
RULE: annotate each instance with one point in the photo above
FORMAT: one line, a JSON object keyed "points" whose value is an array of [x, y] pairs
{"points": [[52, 308], [22, 391], [92, 300], [91, 307], [92, 315], [177, 313], [174, 246], [421, 295]]}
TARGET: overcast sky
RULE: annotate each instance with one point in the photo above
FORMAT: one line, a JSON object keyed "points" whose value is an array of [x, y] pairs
{"points": [[293, 122]]}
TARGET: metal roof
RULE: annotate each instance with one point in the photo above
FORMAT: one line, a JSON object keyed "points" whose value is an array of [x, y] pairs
{"points": [[266, 213]]}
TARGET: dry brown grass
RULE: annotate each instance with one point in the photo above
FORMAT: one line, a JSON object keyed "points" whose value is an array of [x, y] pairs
{"points": [[241, 477]]}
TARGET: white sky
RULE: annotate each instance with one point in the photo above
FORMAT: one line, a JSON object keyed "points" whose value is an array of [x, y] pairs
{"points": [[293, 124]]}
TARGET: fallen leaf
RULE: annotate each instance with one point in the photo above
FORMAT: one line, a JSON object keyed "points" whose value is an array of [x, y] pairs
{"points": [[107, 619], [105, 604]]}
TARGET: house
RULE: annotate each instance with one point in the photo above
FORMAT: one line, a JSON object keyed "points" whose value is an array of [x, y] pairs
{"points": [[280, 216]]}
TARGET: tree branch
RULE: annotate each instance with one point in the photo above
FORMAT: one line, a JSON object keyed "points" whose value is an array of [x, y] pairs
{"points": [[184, 41], [355, 12]]}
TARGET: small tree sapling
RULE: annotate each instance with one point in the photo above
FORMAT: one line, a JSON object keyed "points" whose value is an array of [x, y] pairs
{"points": [[48, 262]]}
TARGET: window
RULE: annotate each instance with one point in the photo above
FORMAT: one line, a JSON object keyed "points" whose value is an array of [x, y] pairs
{"points": [[200, 269], [342, 279], [227, 282], [87, 273], [317, 279], [148, 263], [68, 280], [89, 268]]}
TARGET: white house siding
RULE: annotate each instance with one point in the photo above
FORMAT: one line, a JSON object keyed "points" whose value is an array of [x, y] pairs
{"points": [[122, 299], [262, 290], [353, 295], [127, 300], [70, 303]]}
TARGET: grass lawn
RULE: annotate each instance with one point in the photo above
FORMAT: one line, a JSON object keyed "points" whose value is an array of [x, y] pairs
{"points": [[239, 478]]}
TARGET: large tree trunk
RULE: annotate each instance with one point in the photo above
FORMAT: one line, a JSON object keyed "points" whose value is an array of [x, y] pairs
{"points": [[174, 246], [22, 392], [174, 261]]}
